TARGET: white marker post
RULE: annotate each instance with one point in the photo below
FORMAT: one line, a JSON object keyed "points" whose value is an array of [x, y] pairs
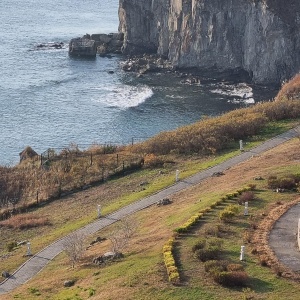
{"points": [[99, 210], [241, 145], [246, 213], [242, 256], [28, 249], [177, 176]]}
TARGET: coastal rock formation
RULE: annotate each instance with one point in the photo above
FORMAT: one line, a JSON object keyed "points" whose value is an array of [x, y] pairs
{"points": [[90, 45], [261, 37], [83, 47]]}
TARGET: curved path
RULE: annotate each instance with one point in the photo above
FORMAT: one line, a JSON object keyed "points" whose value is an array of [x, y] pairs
{"points": [[283, 239], [37, 262]]}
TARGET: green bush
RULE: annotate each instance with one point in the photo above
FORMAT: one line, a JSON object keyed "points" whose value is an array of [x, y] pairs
{"points": [[207, 253], [214, 265], [200, 244], [11, 246], [226, 215]]}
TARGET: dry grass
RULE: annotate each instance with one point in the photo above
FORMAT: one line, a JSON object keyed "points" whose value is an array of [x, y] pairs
{"points": [[25, 222], [290, 90]]}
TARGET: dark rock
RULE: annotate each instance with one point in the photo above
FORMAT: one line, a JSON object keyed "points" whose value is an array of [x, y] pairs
{"points": [[107, 257], [217, 174], [164, 201], [82, 47], [27, 153], [69, 283], [110, 72], [5, 274]]}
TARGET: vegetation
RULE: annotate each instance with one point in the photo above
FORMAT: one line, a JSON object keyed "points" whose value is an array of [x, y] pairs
{"points": [[142, 273]]}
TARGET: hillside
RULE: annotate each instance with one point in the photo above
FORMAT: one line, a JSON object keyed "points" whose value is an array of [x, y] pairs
{"points": [[141, 274]]}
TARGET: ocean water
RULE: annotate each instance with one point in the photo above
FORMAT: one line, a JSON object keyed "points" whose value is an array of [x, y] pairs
{"points": [[49, 100]]}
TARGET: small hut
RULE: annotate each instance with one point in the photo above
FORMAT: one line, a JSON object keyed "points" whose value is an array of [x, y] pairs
{"points": [[84, 47]]}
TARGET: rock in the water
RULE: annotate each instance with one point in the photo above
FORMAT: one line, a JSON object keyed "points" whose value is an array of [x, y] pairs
{"points": [[83, 47]]}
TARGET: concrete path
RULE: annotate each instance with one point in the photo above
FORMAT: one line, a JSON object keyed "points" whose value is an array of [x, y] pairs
{"points": [[283, 238], [37, 262]]}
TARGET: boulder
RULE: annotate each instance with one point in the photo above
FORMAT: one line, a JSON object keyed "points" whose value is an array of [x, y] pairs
{"points": [[82, 47], [5, 274], [69, 283], [27, 153]]}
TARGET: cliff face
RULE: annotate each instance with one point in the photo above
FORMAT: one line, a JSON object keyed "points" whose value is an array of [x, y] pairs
{"points": [[259, 36]]}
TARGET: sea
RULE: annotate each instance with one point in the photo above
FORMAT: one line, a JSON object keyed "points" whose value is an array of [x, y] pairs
{"points": [[51, 100]]}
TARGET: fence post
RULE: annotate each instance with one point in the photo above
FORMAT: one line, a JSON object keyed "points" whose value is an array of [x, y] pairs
{"points": [[117, 160], [91, 162], [132, 141]]}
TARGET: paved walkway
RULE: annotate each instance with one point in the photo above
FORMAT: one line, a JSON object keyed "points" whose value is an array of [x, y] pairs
{"points": [[37, 262], [283, 238]]}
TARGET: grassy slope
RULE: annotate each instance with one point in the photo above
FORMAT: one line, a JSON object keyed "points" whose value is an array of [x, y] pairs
{"points": [[141, 275]]}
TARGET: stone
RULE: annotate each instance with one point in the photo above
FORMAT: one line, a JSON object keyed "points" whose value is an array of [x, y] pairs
{"points": [[5, 274], [217, 174], [27, 153], [69, 283], [164, 201], [82, 47]]}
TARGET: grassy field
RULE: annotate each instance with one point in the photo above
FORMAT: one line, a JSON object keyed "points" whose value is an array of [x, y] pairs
{"points": [[141, 274]]}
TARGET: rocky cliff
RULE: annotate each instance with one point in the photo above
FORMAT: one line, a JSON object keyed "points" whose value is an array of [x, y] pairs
{"points": [[261, 37]]}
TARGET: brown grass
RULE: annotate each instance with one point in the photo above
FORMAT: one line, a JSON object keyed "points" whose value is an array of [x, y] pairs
{"points": [[290, 90], [25, 222]]}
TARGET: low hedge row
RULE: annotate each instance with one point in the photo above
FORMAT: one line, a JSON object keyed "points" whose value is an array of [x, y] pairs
{"points": [[169, 260]]}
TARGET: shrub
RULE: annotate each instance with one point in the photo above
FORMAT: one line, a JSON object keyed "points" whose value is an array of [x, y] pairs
{"points": [[230, 279], [252, 186], [215, 242], [273, 183], [220, 265], [235, 267], [287, 183], [246, 197], [209, 253], [169, 260], [226, 215], [200, 244], [10, 246], [153, 161], [212, 230]]}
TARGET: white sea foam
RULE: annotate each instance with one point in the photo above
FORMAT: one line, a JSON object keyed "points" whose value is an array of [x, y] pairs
{"points": [[241, 93], [124, 96]]}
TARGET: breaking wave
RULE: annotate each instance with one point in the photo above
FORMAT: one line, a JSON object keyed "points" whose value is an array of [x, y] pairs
{"points": [[124, 96]]}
